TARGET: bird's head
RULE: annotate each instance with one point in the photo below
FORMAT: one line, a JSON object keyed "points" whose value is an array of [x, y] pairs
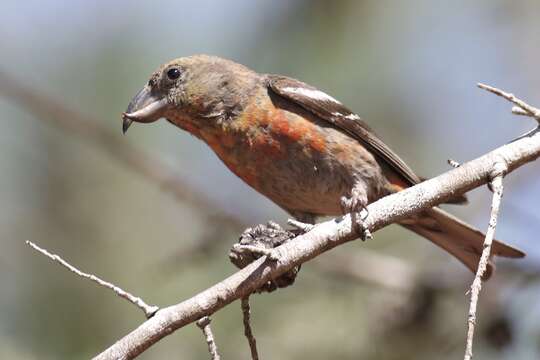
{"points": [[190, 91]]}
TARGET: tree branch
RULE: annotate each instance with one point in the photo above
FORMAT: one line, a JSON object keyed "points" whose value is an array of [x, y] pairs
{"points": [[149, 310], [246, 315], [496, 185], [524, 108], [321, 238], [204, 325], [499, 170]]}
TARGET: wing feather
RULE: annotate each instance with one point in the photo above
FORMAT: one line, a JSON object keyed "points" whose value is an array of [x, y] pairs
{"points": [[329, 109]]}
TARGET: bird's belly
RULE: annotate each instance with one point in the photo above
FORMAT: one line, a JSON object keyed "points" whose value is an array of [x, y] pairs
{"points": [[300, 165], [304, 183], [300, 182]]}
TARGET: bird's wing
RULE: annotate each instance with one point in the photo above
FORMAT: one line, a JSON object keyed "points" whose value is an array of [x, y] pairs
{"points": [[329, 109]]}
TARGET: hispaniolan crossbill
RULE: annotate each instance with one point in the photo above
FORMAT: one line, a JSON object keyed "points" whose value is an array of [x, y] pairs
{"points": [[294, 144]]}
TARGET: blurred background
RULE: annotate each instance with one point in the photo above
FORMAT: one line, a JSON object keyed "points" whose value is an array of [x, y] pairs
{"points": [[155, 211]]}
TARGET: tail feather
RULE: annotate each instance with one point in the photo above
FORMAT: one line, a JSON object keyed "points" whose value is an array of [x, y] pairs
{"points": [[459, 239]]}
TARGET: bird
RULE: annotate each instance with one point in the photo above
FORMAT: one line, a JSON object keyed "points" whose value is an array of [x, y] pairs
{"points": [[295, 144]]}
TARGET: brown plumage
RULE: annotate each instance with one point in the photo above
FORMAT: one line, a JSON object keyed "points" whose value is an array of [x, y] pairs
{"points": [[294, 144]]}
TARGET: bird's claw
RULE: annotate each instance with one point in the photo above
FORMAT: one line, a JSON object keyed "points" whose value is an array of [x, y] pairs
{"points": [[355, 205]]}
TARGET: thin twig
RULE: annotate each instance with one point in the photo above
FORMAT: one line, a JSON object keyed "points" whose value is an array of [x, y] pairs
{"points": [[246, 311], [499, 170], [527, 109], [204, 324], [516, 110], [300, 225], [269, 253], [149, 310], [496, 185]]}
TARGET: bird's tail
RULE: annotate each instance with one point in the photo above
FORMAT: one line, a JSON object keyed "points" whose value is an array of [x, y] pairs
{"points": [[458, 238]]}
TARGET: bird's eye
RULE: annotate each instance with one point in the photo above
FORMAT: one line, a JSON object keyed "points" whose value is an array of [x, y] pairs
{"points": [[173, 73]]}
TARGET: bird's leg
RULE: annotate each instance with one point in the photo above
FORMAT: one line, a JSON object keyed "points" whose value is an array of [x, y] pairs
{"points": [[356, 204]]}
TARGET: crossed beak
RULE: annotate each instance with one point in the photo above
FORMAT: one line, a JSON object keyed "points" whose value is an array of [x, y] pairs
{"points": [[145, 107]]}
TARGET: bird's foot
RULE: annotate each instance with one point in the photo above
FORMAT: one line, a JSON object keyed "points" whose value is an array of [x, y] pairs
{"points": [[356, 206]]}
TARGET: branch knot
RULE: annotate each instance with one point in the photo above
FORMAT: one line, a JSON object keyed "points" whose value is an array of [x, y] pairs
{"points": [[261, 241]]}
